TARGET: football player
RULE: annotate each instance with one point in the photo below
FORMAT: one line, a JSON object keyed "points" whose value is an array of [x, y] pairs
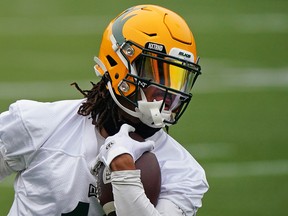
{"points": [[148, 64]]}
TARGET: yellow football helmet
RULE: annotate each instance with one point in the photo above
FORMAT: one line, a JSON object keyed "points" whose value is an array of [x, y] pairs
{"points": [[148, 55]]}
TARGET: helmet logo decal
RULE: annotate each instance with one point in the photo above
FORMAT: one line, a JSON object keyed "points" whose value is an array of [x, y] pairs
{"points": [[184, 54], [117, 28], [142, 84], [155, 47]]}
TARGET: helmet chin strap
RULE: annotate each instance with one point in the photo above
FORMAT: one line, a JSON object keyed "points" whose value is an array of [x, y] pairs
{"points": [[151, 113], [130, 112], [147, 112]]}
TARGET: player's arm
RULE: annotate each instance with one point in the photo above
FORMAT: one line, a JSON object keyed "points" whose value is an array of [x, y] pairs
{"points": [[129, 195], [120, 153]]}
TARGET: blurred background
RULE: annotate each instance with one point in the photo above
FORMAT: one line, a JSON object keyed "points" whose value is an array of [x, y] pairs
{"points": [[237, 123]]}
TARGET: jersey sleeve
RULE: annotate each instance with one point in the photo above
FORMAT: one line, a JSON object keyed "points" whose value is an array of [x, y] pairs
{"points": [[183, 180], [27, 126], [5, 170], [16, 143]]}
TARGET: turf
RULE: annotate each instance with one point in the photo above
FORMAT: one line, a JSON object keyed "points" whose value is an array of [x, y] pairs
{"points": [[236, 125]]}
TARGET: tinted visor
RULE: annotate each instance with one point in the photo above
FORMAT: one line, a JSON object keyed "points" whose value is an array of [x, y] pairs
{"points": [[167, 71]]}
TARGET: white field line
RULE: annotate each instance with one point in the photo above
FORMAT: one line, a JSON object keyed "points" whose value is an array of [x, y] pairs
{"points": [[226, 80], [68, 25], [227, 170], [205, 151], [245, 169], [236, 79], [242, 23], [64, 25], [41, 90]]}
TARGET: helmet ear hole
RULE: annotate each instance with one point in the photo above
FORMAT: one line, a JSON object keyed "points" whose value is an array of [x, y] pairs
{"points": [[111, 61]]}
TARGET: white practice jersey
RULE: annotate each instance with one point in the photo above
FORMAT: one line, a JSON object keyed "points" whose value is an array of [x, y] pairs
{"points": [[53, 149]]}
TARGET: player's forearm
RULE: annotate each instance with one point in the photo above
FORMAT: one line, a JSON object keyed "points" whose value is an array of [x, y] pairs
{"points": [[134, 199], [129, 195], [122, 162], [130, 198]]}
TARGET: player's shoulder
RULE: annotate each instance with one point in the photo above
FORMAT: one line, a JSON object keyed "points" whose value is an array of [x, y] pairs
{"points": [[40, 120], [29, 108], [32, 104], [180, 170], [44, 116], [165, 142], [169, 152]]}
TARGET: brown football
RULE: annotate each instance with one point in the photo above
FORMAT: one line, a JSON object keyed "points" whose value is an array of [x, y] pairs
{"points": [[150, 178]]}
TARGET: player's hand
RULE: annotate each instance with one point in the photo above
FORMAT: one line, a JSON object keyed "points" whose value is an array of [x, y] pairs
{"points": [[122, 143]]}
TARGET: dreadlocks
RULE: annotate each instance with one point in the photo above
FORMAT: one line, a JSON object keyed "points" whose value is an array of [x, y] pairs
{"points": [[105, 112], [99, 104]]}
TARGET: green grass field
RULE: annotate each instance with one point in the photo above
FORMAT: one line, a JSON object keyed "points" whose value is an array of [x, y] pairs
{"points": [[236, 125]]}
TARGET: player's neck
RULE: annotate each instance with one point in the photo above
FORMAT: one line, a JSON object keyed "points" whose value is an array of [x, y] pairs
{"points": [[103, 133]]}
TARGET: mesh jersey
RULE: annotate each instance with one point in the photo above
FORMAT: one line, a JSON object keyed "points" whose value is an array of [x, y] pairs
{"points": [[53, 148]]}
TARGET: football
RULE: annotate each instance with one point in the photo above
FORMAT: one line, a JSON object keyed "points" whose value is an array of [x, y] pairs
{"points": [[150, 178]]}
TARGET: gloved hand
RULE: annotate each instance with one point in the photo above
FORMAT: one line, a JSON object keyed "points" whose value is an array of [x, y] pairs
{"points": [[122, 143]]}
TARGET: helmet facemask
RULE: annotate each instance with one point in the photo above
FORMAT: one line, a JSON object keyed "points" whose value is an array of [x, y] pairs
{"points": [[161, 83]]}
